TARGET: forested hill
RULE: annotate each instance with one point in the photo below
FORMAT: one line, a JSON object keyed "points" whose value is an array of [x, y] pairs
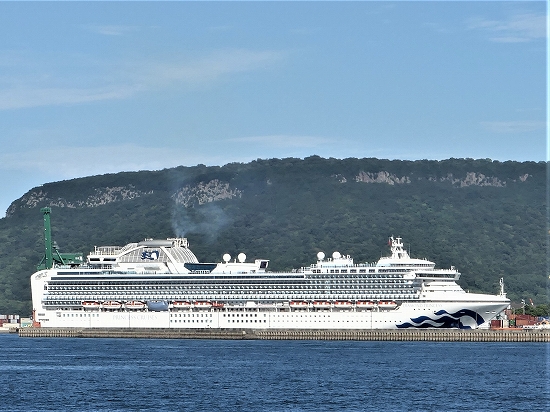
{"points": [[487, 218]]}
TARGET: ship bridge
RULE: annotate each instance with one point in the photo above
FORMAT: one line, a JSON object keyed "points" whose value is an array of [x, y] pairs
{"points": [[400, 257]]}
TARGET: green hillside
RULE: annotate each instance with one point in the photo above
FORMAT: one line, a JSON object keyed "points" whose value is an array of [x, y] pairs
{"points": [[487, 218]]}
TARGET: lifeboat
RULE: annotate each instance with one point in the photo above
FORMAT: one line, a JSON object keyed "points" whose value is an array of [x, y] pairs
{"points": [[217, 305], [365, 304], [321, 304], [134, 305], [343, 304], [112, 305], [202, 304], [387, 304], [181, 304], [298, 304], [91, 305]]}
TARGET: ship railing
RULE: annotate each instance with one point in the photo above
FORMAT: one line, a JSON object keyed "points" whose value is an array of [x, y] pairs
{"points": [[106, 250]]}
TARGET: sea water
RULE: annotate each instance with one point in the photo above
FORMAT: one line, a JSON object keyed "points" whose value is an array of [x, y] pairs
{"points": [[66, 374]]}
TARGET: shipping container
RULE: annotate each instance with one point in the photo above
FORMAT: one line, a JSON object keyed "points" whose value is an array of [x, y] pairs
{"points": [[526, 317], [26, 322], [496, 324], [525, 322]]}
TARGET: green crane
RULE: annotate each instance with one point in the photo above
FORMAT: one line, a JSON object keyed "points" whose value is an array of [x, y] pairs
{"points": [[52, 256]]}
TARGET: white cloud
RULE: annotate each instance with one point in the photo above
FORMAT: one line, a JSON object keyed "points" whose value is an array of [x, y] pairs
{"points": [[285, 141], [120, 80], [515, 29], [67, 162], [513, 126], [209, 68], [23, 97], [110, 30]]}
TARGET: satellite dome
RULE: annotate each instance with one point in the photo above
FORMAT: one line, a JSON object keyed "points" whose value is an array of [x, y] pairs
{"points": [[336, 255], [320, 255], [226, 257], [241, 257]]}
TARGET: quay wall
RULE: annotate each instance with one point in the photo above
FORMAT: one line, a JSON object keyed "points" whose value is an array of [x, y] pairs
{"points": [[433, 335]]}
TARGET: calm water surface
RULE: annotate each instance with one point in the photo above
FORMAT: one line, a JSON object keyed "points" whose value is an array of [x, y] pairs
{"points": [[203, 375]]}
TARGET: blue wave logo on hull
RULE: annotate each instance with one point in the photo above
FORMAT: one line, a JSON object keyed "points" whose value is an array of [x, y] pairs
{"points": [[444, 319]]}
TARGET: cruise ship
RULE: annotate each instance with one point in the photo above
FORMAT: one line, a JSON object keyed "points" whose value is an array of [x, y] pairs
{"points": [[161, 284]]}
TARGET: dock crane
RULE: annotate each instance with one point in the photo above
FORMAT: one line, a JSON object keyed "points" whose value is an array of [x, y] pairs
{"points": [[52, 256]]}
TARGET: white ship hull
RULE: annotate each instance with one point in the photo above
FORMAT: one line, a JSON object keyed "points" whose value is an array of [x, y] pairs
{"points": [[414, 315]]}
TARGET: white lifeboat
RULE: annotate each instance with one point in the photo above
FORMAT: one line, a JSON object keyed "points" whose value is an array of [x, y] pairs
{"points": [[112, 305], [202, 304], [298, 304], [343, 304], [181, 304], [321, 304], [365, 304], [134, 305], [387, 304], [91, 305]]}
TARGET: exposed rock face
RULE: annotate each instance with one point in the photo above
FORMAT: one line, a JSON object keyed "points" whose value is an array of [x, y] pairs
{"points": [[381, 177], [102, 196], [341, 178], [473, 179], [202, 193]]}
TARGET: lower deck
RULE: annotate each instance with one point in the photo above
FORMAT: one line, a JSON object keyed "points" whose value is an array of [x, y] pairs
{"points": [[407, 315]]}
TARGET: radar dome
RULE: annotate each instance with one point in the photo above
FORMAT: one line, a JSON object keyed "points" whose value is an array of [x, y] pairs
{"points": [[241, 257], [226, 257], [320, 255], [336, 255]]}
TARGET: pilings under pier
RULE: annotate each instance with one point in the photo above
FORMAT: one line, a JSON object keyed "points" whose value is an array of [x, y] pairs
{"points": [[432, 335]]}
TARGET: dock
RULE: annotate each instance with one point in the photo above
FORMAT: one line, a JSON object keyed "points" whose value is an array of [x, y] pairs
{"points": [[431, 335]]}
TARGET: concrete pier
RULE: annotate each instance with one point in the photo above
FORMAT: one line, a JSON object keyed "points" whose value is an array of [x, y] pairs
{"points": [[432, 335]]}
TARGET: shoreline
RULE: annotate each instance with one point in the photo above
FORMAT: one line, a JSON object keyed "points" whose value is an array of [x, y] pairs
{"points": [[433, 335]]}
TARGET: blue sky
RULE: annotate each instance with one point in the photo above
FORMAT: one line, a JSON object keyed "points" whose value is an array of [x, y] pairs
{"points": [[93, 88]]}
